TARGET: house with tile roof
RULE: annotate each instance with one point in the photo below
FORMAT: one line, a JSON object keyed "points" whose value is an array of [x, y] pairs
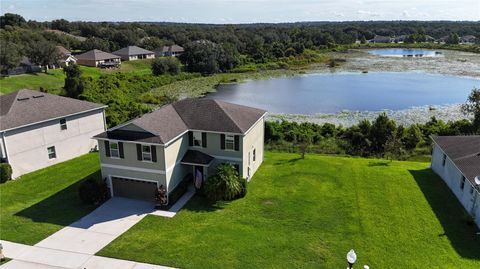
{"points": [[189, 137], [456, 159], [132, 53], [39, 129], [98, 58]]}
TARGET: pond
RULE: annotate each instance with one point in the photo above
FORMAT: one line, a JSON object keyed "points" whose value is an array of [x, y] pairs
{"points": [[335, 92], [399, 52]]}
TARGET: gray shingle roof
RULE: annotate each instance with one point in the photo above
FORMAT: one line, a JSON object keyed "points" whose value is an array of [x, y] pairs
{"points": [[197, 157], [464, 151], [96, 55], [211, 115], [26, 107], [132, 50]]}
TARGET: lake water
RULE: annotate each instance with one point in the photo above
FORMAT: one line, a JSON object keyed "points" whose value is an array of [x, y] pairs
{"points": [[334, 92], [398, 52]]}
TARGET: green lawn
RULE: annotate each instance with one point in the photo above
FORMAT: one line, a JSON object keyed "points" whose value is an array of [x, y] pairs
{"points": [[308, 214], [38, 204], [55, 79]]}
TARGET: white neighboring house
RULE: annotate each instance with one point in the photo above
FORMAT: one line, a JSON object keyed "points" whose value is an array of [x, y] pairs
{"points": [[39, 129], [456, 159], [132, 53], [66, 57]]}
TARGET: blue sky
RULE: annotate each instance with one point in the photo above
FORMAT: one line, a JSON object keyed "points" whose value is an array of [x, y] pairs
{"points": [[243, 11]]}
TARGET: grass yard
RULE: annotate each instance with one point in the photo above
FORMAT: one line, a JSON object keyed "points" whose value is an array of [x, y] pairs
{"points": [[308, 214], [55, 79], [38, 204]]}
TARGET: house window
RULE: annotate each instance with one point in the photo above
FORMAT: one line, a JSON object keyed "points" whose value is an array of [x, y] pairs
{"points": [[462, 183], [51, 152], [114, 152], [471, 190], [146, 153], [229, 142], [444, 159], [254, 155], [197, 139], [63, 124]]}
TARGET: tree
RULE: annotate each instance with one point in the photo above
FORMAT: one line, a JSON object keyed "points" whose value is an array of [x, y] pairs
{"points": [[453, 39], [304, 139], [164, 65], [74, 84], [224, 185], [202, 56], [363, 40], [472, 106], [11, 19], [9, 56], [43, 53], [382, 129], [412, 137], [61, 24], [393, 146]]}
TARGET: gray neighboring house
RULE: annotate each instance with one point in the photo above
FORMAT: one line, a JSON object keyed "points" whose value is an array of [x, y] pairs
{"points": [[98, 58], [191, 136], [39, 129], [173, 50], [132, 53], [456, 159], [381, 39]]}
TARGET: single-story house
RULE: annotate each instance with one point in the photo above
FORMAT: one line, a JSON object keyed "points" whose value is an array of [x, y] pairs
{"points": [[189, 137], [173, 50], [39, 129], [98, 58], [456, 159], [132, 53], [66, 57], [24, 66], [468, 39]]}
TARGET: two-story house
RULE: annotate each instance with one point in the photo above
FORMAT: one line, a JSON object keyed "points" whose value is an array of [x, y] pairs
{"points": [[39, 129], [456, 159], [191, 136]]}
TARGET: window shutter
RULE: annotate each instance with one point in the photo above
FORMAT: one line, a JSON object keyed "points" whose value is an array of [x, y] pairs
{"points": [[153, 150], [204, 140], [237, 143], [222, 141], [120, 150], [190, 138], [107, 148], [139, 152]]}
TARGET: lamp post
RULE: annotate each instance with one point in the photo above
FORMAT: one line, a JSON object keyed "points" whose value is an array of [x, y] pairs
{"points": [[351, 258]]}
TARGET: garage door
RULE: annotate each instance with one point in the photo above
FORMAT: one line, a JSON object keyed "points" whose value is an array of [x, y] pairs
{"points": [[135, 189]]}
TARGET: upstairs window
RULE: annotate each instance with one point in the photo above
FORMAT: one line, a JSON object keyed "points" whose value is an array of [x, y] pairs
{"points": [[63, 124], [114, 152], [462, 183], [444, 159], [230, 142], [197, 139], [254, 155], [146, 153], [51, 152]]}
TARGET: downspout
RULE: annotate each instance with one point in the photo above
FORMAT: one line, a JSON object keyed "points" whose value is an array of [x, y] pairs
{"points": [[4, 145]]}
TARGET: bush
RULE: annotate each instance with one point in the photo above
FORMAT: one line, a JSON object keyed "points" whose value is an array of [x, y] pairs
{"points": [[5, 172], [165, 65], [92, 191], [225, 184]]}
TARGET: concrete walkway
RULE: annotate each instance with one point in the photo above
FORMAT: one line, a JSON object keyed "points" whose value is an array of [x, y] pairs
{"points": [[75, 245]]}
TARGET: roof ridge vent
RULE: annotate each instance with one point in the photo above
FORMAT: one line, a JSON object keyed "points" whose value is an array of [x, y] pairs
{"points": [[23, 98]]}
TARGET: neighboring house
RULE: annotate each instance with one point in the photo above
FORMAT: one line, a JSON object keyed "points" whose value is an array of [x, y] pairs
{"points": [[39, 129], [468, 39], [25, 66], [400, 39], [191, 136], [98, 58], [381, 39], [66, 57], [132, 53], [456, 159], [173, 50]]}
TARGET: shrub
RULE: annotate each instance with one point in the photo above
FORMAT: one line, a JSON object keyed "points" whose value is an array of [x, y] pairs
{"points": [[224, 185], [165, 65], [5, 172], [92, 191]]}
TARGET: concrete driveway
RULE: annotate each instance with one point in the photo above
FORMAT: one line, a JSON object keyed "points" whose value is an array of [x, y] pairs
{"points": [[97, 229]]}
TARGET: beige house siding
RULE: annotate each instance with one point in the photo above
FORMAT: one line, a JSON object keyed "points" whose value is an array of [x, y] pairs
{"points": [[130, 157], [253, 140], [174, 153], [94, 63], [27, 146]]}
